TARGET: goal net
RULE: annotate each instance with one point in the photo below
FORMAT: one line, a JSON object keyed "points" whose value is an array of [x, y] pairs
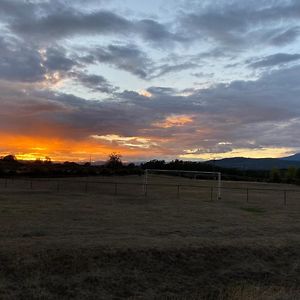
{"points": [[184, 178]]}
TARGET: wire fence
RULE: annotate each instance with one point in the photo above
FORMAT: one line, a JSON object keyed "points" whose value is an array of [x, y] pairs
{"points": [[286, 196]]}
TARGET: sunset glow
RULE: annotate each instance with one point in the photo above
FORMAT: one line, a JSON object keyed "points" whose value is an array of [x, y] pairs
{"points": [[174, 121], [248, 153], [149, 80]]}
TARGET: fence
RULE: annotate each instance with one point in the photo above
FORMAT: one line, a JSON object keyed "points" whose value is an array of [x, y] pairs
{"points": [[208, 192]]}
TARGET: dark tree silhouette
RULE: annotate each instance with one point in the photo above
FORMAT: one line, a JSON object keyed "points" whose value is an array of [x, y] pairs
{"points": [[114, 161], [9, 158]]}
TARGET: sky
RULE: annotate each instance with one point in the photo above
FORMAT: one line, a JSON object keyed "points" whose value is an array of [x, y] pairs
{"points": [[158, 79]]}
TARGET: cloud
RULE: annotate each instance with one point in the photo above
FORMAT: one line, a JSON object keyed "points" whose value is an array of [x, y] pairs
{"points": [[55, 58], [237, 23], [53, 20], [45, 42], [274, 60], [125, 57], [96, 83], [167, 68], [286, 37], [18, 62], [246, 114]]}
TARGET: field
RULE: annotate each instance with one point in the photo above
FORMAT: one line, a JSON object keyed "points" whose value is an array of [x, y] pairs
{"points": [[78, 239]]}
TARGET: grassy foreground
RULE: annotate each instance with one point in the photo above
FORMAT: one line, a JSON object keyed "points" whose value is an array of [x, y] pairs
{"points": [[93, 245], [199, 273]]}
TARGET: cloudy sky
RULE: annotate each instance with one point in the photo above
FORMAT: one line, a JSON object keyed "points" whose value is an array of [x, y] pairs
{"points": [[149, 79]]}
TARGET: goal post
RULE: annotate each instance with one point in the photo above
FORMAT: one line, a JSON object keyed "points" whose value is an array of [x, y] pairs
{"points": [[187, 174]]}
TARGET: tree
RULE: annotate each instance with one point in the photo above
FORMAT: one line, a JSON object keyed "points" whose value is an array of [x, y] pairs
{"points": [[275, 175], [48, 160], [38, 161], [9, 158], [114, 161], [298, 176], [291, 174]]}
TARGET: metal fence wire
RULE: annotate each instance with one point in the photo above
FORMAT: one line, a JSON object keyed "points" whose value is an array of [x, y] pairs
{"points": [[251, 195]]}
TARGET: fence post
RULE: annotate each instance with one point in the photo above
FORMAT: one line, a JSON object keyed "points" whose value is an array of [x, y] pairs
{"points": [[116, 188], [284, 195], [146, 189], [178, 191]]}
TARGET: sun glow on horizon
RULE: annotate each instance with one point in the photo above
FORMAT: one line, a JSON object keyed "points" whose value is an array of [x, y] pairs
{"points": [[242, 152], [59, 149]]}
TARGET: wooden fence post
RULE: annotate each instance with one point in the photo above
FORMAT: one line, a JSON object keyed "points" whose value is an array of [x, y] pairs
{"points": [[284, 195], [116, 189]]}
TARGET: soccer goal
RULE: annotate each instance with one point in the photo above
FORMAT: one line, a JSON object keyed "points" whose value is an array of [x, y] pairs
{"points": [[177, 177]]}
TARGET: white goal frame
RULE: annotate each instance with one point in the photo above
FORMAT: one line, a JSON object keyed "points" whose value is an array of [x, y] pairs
{"points": [[218, 176]]}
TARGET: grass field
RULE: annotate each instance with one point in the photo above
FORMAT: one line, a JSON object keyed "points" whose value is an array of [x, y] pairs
{"points": [[77, 239]]}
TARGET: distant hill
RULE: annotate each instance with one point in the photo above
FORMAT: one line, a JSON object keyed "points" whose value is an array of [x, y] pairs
{"points": [[242, 163], [295, 157]]}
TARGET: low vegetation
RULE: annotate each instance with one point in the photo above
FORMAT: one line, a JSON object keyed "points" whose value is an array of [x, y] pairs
{"points": [[10, 166], [74, 244]]}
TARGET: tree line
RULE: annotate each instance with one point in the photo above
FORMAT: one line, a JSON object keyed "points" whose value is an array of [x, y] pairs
{"points": [[10, 166]]}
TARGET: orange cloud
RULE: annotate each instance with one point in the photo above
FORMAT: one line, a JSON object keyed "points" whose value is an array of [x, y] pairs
{"points": [[131, 142], [174, 121], [145, 93], [59, 149]]}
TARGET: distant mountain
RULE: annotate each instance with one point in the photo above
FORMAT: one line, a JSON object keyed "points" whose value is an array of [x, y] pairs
{"points": [[255, 163], [295, 157]]}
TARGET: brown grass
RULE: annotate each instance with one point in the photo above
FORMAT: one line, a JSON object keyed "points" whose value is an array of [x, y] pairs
{"points": [[74, 244]]}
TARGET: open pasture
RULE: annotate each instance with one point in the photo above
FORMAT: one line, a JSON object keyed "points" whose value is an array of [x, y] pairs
{"points": [[75, 238], [260, 193]]}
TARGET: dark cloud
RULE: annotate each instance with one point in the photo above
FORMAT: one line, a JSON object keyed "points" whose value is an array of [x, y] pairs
{"points": [[125, 57], [57, 59], [167, 68], [53, 20], [203, 75], [153, 31], [243, 113], [286, 37], [11, 10], [19, 62], [96, 83], [70, 23], [274, 60], [132, 59], [240, 23]]}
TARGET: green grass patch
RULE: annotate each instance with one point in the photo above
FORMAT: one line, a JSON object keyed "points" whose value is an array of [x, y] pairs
{"points": [[255, 210]]}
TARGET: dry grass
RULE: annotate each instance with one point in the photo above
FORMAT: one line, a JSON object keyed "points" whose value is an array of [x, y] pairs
{"points": [[74, 244]]}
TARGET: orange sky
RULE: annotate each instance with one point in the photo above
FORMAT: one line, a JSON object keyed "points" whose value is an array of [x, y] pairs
{"points": [[31, 148]]}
